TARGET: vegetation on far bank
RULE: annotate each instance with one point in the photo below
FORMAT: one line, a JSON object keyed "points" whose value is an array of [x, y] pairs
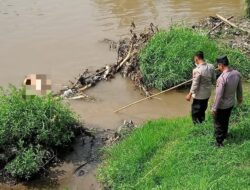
{"points": [[167, 58], [247, 8], [174, 154], [31, 130]]}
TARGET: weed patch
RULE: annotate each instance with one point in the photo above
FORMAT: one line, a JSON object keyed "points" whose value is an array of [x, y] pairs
{"points": [[167, 59], [30, 130]]}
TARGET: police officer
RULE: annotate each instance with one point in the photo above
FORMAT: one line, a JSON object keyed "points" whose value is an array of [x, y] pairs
{"points": [[203, 78], [228, 86]]}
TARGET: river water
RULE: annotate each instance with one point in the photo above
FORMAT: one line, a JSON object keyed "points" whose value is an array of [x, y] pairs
{"points": [[61, 38]]}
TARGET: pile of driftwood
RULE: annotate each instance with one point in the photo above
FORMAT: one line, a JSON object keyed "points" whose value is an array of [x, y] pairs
{"points": [[232, 31], [127, 64]]}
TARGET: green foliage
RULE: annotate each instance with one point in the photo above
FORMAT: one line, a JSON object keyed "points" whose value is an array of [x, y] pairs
{"points": [[174, 154], [37, 122], [26, 163], [167, 59]]}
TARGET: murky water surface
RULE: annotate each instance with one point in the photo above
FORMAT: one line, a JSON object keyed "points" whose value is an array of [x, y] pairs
{"points": [[61, 38]]}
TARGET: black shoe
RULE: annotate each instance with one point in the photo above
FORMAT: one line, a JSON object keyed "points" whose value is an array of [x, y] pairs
{"points": [[229, 136], [218, 145]]}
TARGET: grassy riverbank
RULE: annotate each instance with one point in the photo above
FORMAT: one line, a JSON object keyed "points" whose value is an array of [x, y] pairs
{"points": [[167, 59], [173, 154]]}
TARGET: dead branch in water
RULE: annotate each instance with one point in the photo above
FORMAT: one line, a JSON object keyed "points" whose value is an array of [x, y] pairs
{"points": [[231, 24], [218, 25], [125, 59], [127, 64]]}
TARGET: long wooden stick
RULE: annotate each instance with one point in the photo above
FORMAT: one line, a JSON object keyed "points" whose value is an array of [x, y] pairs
{"points": [[129, 105], [218, 25], [231, 24]]}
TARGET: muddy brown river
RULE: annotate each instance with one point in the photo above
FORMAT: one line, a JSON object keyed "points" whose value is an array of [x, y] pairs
{"points": [[61, 38]]}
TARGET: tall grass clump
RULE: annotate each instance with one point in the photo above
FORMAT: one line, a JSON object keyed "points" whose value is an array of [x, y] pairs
{"points": [[30, 130], [174, 154], [167, 59]]}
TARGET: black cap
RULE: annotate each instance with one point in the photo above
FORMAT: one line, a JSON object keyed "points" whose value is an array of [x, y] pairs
{"points": [[223, 60]]}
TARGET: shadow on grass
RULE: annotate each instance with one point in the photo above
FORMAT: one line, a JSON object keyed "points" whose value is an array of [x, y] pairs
{"points": [[239, 134]]}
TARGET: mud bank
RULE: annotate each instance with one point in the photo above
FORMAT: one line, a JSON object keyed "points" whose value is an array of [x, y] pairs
{"points": [[75, 167]]}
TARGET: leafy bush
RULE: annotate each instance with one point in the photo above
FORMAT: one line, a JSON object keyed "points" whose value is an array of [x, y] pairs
{"points": [[27, 162], [36, 122], [167, 59]]}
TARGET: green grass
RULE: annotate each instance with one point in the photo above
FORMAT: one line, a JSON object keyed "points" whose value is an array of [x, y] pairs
{"points": [[174, 154], [30, 130], [167, 59]]}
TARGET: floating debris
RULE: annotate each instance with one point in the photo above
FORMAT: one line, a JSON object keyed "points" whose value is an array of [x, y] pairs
{"points": [[235, 37], [127, 64]]}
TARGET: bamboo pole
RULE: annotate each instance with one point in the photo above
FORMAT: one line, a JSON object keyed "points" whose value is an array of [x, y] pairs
{"points": [[138, 101], [231, 24]]}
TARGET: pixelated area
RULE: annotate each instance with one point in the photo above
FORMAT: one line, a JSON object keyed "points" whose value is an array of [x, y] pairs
{"points": [[37, 85]]}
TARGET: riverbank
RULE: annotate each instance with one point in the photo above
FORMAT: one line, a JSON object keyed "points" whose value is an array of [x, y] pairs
{"points": [[160, 59], [99, 116], [173, 154]]}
